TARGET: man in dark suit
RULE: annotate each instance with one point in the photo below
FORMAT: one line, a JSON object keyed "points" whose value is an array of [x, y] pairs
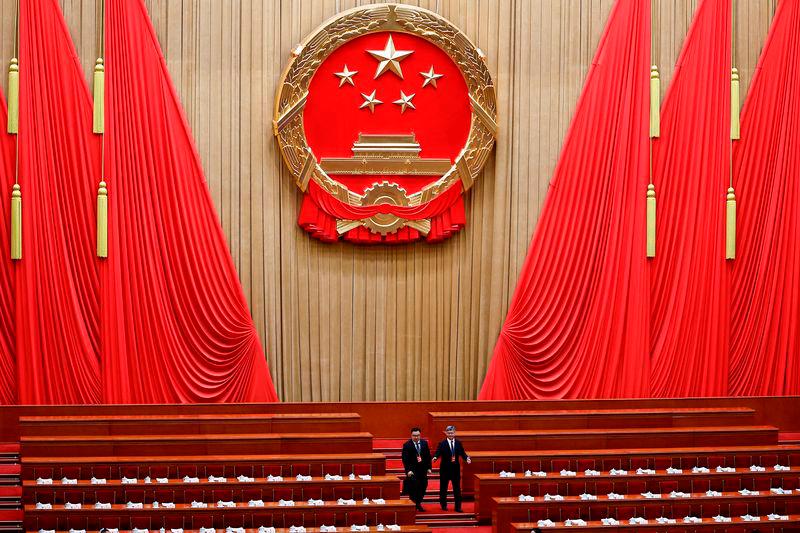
{"points": [[452, 452], [417, 464]]}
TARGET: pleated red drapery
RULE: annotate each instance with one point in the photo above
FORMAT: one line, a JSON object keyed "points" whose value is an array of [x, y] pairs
{"points": [[175, 322], [577, 326], [765, 286], [56, 291], [8, 373], [691, 172]]}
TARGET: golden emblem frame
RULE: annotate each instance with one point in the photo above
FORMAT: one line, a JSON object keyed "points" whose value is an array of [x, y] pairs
{"points": [[308, 56]]}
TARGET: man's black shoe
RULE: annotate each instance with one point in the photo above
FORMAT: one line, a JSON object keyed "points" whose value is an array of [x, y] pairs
{"points": [[458, 510], [420, 509], [444, 507]]}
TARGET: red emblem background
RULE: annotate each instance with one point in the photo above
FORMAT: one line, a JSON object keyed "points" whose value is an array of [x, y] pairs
{"points": [[333, 120]]}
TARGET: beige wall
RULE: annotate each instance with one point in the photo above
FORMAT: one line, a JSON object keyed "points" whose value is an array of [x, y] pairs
{"points": [[341, 322]]}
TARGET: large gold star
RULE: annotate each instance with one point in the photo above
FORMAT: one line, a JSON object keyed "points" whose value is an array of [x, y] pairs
{"points": [[430, 77], [370, 101], [389, 58], [346, 76], [404, 101]]}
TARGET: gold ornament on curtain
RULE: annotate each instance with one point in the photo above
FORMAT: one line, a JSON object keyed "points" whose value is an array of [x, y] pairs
{"points": [[13, 128], [655, 102], [13, 96], [655, 131], [98, 126], [98, 123], [730, 199], [16, 222]]}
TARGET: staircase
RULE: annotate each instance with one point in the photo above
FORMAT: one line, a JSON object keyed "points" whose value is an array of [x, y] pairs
{"points": [[434, 516]]}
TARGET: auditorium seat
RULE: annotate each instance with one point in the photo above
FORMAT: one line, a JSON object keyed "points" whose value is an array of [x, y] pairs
{"points": [[344, 492], [634, 487], [561, 464], [162, 496], [252, 494], [314, 493]]}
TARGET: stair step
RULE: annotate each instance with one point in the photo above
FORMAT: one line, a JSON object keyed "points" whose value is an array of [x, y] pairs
{"points": [[449, 521]]}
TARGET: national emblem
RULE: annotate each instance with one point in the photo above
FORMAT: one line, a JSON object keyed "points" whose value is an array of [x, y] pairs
{"points": [[385, 173]]}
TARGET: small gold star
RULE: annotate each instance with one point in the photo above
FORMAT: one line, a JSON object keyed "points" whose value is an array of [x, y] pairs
{"points": [[346, 76], [370, 101], [389, 58], [404, 101], [430, 77]]}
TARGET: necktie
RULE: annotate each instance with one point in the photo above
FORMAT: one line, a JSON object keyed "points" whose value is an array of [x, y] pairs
{"points": [[417, 444], [452, 447]]}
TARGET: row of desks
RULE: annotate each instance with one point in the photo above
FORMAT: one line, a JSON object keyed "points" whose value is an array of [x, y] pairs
{"points": [[489, 486], [387, 487], [509, 510], [184, 516]]}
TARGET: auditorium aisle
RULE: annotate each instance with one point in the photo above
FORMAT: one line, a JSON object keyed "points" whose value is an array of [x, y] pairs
{"points": [[445, 521]]}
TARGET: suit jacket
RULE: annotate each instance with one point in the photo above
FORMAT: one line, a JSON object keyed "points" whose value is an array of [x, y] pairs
{"points": [[410, 462], [443, 452]]}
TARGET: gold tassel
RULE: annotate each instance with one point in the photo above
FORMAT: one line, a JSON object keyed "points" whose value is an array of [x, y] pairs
{"points": [[16, 222], [13, 96], [730, 225], [735, 129], [102, 220], [655, 102], [98, 125], [651, 220]]}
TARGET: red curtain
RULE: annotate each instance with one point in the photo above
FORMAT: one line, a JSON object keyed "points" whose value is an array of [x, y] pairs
{"points": [[8, 373], [691, 169], [765, 308], [57, 279], [175, 323], [577, 326]]}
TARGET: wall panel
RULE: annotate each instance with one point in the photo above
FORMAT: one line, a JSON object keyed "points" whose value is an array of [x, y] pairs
{"points": [[348, 323]]}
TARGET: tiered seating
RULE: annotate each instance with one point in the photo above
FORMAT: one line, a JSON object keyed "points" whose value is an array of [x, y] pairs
{"points": [[509, 510], [236, 423], [593, 418], [10, 489], [177, 491], [570, 456], [173, 478], [178, 466], [736, 525], [218, 444], [629, 459], [402, 529], [489, 486], [182, 515], [590, 439]]}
